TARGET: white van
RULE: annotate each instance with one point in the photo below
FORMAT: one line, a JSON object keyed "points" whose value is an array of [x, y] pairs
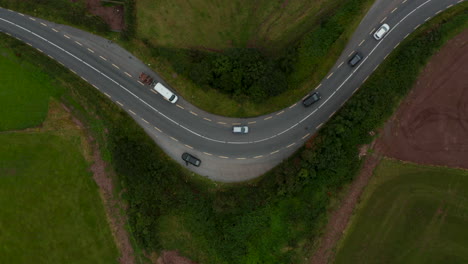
{"points": [[166, 93]]}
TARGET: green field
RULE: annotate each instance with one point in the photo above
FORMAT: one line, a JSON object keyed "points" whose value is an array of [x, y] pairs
{"points": [[221, 24], [24, 93], [51, 209], [410, 214]]}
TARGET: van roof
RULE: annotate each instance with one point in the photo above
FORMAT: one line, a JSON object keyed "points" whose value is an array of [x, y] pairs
{"points": [[166, 93]]}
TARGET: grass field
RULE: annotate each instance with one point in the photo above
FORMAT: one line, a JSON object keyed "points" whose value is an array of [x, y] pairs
{"points": [[51, 211], [24, 93], [410, 214], [221, 24]]}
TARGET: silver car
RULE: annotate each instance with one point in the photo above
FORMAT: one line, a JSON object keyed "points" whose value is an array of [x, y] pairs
{"points": [[378, 35]]}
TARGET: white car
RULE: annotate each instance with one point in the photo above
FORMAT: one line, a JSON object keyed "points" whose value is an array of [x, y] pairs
{"points": [[166, 93], [378, 35], [240, 129]]}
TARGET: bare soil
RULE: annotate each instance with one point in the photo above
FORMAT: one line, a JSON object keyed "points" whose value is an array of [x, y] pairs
{"points": [[431, 125], [112, 15], [172, 257]]}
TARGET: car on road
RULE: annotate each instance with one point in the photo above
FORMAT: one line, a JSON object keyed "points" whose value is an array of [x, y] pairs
{"points": [[240, 129], [355, 59], [383, 29], [166, 93], [191, 159], [311, 99]]}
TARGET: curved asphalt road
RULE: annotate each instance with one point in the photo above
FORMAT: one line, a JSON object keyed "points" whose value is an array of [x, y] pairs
{"points": [[184, 128]]}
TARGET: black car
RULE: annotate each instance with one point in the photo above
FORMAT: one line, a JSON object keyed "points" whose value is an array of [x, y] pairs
{"points": [[191, 159], [311, 99], [357, 57]]}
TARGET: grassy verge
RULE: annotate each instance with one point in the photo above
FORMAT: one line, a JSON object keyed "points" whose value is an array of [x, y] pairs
{"points": [[24, 93], [273, 220], [51, 208], [409, 213]]}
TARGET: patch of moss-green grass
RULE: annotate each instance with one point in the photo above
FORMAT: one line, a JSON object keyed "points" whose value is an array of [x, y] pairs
{"points": [[51, 208], [410, 214], [24, 93]]}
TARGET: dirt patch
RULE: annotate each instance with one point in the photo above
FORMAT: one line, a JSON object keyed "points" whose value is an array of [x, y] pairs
{"points": [[431, 125], [172, 257], [338, 221], [112, 15]]}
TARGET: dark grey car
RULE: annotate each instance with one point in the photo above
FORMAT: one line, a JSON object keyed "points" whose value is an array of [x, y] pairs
{"points": [[191, 159], [357, 57], [311, 99]]}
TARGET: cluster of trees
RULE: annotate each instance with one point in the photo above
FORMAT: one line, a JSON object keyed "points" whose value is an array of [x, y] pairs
{"points": [[237, 71]]}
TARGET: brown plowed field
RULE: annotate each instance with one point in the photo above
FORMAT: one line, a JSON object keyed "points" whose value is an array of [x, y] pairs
{"points": [[431, 125]]}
